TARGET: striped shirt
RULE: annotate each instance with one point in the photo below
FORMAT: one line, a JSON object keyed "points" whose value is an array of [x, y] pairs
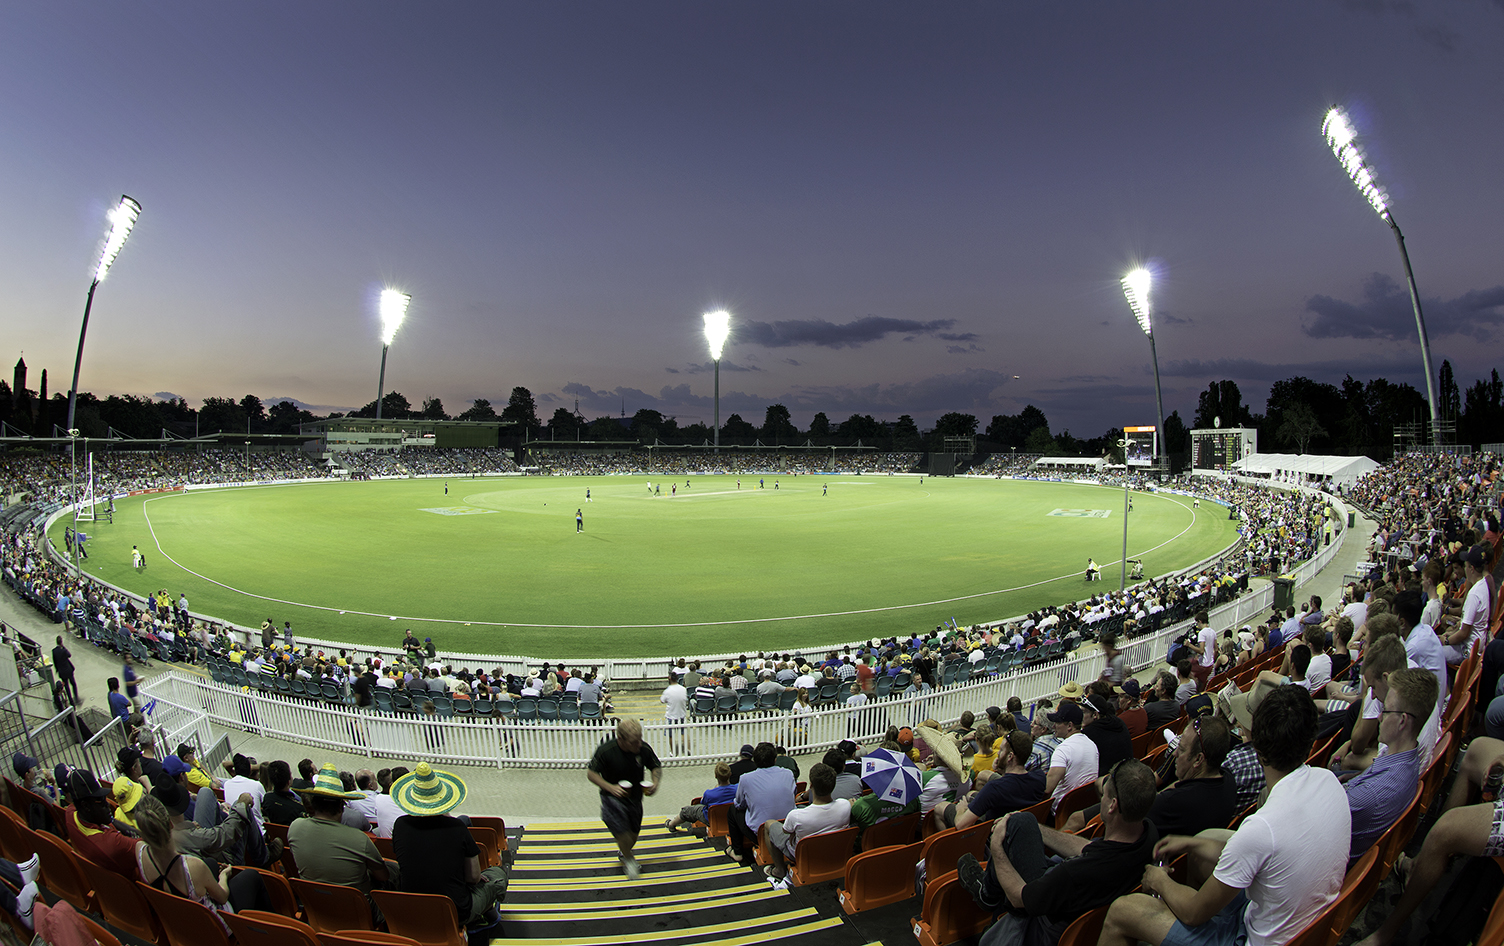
{"points": [[1379, 795]]}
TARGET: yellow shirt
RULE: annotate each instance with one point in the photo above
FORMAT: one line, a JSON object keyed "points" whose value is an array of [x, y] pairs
{"points": [[983, 761], [198, 778]]}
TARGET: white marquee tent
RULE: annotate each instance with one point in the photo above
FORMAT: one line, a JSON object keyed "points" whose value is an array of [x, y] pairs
{"points": [[1340, 471]]}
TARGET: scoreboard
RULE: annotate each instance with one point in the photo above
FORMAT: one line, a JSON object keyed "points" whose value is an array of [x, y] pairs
{"points": [[1217, 449]]}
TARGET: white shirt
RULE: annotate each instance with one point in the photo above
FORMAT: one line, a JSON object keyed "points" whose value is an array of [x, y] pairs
{"points": [[816, 819], [1078, 756], [236, 785], [1290, 856], [805, 681], [1208, 641], [676, 698], [387, 814], [1319, 672], [1357, 612], [1423, 649], [1475, 612]]}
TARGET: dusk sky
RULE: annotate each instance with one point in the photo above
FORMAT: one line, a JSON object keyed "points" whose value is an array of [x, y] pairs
{"points": [[903, 205]]}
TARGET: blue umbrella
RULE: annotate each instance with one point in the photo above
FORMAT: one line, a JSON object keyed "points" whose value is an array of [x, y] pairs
{"points": [[892, 776]]}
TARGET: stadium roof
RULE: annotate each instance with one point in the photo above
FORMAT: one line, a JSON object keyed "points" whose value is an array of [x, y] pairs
{"points": [[1343, 470]]}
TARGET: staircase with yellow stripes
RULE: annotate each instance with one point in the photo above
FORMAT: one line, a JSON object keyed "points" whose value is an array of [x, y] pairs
{"points": [[568, 889]]}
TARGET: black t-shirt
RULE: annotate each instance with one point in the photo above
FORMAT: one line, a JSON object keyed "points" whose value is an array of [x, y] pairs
{"points": [[1340, 663], [1194, 805], [614, 764], [281, 807], [1005, 793], [743, 766], [1161, 712], [1104, 871], [431, 853], [153, 770], [1113, 742]]}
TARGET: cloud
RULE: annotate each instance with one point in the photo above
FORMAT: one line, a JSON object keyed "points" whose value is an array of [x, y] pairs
{"points": [[672, 370], [709, 367], [169, 396], [1438, 37], [1247, 369], [795, 332], [1172, 319], [963, 349], [1385, 313], [797, 364]]}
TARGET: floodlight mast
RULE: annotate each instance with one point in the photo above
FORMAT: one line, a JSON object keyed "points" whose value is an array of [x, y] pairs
{"points": [[393, 310], [717, 329], [1136, 287], [1340, 136], [122, 219]]}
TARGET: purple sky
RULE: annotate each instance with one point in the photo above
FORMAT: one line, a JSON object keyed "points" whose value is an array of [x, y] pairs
{"points": [[902, 205]]}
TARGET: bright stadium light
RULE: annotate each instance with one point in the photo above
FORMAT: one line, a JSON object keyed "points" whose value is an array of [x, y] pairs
{"points": [[393, 310], [122, 218], [717, 329], [1136, 289], [1343, 140]]}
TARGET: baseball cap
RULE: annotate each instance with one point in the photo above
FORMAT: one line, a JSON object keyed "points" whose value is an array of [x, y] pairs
{"points": [[1098, 704], [184, 750], [1068, 712], [1474, 556], [174, 766], [746, 752], [846, 746], [127, 757], [1130, 687], [22, 763]]}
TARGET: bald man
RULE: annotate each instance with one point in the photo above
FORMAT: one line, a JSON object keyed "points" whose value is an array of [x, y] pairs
{"points": [[620, 769]]}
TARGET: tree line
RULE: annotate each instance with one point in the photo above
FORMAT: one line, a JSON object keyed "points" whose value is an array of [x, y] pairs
{"points": [[1299, 416]]}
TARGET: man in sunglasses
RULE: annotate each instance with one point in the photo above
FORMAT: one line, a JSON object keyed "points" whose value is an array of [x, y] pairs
{"points": [[1046, 898]]}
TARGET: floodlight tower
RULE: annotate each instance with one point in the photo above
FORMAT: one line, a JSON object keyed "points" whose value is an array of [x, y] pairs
{"points": [[1342, 139], [1136, 288], [122, 219], [717, 328], [393, 310]]}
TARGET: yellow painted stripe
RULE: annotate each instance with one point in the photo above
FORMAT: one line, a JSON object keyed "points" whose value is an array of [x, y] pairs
{"points": [[560, 916], [566, 826], [672, 900], [651, 880], [580, 863], [690, 933], [659, 844]]}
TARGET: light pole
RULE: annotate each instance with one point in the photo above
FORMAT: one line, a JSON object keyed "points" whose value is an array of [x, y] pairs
{"points": [[717, 328], [1342, 139], [393, 310], [1123, 579], [73, 489], [1136, 288]]}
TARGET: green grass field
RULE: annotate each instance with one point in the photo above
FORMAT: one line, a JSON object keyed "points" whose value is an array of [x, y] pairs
{"points": [[496, 566]]}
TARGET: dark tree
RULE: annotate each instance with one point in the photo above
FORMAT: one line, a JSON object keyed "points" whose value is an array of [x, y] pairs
{"points": [[777, 428], [906, 434], [1299, 426], [646, 425], [433, 409], [1325, 402], [285, 416], [479, 409], [562, 425], [520, 408], [819, 428], [1176, 436], [223, 414], [1448, 399], [1221, 399], [956, 425], [860, 427], [737, 431]]}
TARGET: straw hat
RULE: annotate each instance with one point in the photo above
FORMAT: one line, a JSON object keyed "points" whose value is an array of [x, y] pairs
{"points": [[1072, 691], [328, 784], [943, 746], [428, 791]]}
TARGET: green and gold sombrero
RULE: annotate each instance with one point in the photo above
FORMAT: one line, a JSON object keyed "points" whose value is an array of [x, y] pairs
{"points": [[327, 783], [428, 791]]}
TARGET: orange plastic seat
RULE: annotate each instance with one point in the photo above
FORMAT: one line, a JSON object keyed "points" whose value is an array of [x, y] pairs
{"points": [[942, 849], [101, 935], [427, 918], [1085, 930], [498, 825], [894, 831], [185, 922], [1041, 812], [365, 938], [13, 841], [279, 891], [61, 872], [949, 914], [121, 903], [384, 847], [879, 877], [1440, 763], [259, 928], [333, 907], [1082, 796], [719, 820], [1322, 752], [1357, 888], [490, 848], [822, 857]]}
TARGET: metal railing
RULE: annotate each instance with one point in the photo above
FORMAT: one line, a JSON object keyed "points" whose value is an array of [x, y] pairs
{"points": [[58, 739]]}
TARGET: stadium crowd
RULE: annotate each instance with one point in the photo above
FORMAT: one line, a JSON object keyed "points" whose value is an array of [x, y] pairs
{"points": [[707, 462]]}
